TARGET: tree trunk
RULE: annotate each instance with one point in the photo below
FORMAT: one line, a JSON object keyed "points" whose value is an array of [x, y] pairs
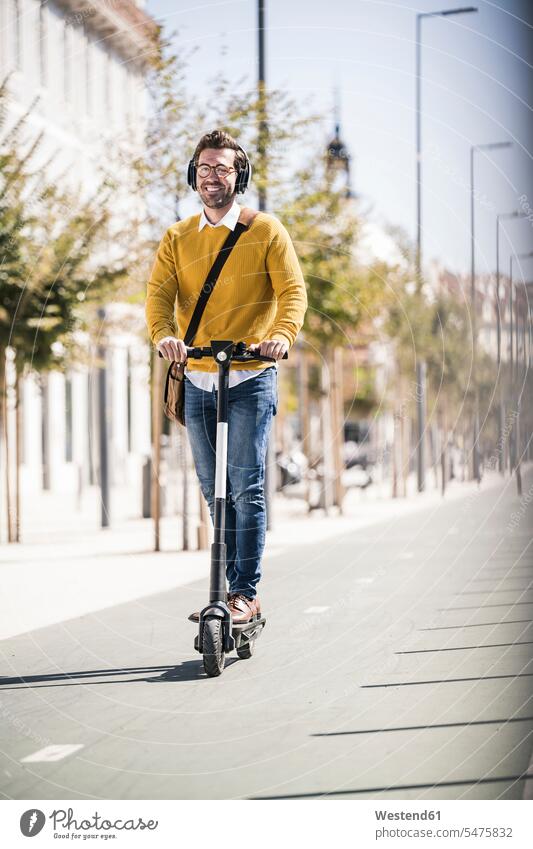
{"points": [[280, 423], [305, 416], [434, 445], [2, 413], [337, 421], [18, 453], [45, 431], [444, 449], [398, 444], [404, 435], [203, 539], [91, 428], [326, 494], [396, 436], [157, 420], [518, 469], [406, 425], [185, 490], [4, 391]]}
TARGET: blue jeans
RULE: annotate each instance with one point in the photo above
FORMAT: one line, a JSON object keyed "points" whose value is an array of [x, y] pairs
{"points": [[252, 404]]}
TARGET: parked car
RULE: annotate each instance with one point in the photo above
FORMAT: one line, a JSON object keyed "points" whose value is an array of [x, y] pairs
{"points": [[354, 455], [291, 467]]}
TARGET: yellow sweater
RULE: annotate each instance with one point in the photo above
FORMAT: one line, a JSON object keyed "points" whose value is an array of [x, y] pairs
{"points": [[260, 293]]}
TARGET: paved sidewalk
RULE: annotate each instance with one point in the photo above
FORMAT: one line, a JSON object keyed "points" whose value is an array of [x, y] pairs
{"points": [[69, 566], [396, 663]]}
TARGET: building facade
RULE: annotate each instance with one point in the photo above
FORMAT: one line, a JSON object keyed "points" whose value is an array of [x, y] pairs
{"points": [[81, 67]]}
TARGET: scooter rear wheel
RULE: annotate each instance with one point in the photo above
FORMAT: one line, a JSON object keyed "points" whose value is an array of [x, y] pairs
{"points": [[213, 647], [246, 649]]}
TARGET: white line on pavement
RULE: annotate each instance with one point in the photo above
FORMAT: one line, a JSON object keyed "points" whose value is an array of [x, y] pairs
{"points": [[316, 609], [52, 753]]}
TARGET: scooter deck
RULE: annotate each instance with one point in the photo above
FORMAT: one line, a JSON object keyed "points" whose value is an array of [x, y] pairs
{"points": [[239, 626]]}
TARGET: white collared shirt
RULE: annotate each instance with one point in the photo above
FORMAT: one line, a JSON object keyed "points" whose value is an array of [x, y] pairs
{"points": [[229, 220], [201, 379]]}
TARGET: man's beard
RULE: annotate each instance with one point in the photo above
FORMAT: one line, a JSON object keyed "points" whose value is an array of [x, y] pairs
{"points": [[220, 198]]}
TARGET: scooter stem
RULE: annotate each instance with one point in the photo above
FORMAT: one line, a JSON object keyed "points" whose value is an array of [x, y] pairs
{"points": [[222, 352]]}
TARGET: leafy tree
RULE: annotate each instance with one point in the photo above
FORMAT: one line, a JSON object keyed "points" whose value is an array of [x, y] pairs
{"points": [[434, 328], [54, 248], [326, 229], [50, 277]]}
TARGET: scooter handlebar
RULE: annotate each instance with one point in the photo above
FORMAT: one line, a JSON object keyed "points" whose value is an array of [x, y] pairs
{"points": [[245, 355]]}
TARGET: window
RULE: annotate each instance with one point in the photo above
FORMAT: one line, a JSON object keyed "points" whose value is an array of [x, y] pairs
{"points": [[128, 403], [68, 419], [126, 95], [66, 61], [42, 37], [107, 85], [88, 73], [17, 33]]}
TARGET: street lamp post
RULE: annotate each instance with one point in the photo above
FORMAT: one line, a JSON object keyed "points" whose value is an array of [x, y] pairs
{"points": [[528, 288], [261, 83], [518, 257], [443, 13], [103, 423], [515, 454], [502, 216], [473, 149], [270, 464]]}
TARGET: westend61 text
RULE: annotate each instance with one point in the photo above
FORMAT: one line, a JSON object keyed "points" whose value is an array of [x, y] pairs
{"points": [[407, 815], [65, 819]]}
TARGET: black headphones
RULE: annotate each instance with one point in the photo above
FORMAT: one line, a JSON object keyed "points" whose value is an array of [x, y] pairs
{"points": [[243, 177]]}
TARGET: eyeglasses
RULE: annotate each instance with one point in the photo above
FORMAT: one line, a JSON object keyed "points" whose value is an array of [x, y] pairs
{"points": [[220, 170]]}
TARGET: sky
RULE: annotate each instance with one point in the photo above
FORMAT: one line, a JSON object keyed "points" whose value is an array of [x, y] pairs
{"points": [[477, 83]]}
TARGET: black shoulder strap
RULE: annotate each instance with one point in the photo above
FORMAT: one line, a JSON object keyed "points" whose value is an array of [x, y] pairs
{"points": [[211, 279]]}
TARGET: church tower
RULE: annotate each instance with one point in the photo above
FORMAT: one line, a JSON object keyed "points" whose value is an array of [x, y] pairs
{"points": [[338, 159]]}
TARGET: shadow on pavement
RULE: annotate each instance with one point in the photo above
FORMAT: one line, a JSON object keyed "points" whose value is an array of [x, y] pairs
{"points": [[475, 625], [467, 648], [190, 670], [392, 788], [448, 680], [424, 727]]}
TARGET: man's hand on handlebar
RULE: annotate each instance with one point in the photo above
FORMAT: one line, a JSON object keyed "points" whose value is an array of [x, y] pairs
{"points": [[274, 348], [270, 350], [172, 349]]}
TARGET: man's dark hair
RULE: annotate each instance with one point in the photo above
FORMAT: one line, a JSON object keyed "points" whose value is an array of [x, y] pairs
{"points": [[217, 140]]}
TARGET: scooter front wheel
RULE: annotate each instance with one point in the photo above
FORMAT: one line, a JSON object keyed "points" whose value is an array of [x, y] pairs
{"points": [[213, 647]]}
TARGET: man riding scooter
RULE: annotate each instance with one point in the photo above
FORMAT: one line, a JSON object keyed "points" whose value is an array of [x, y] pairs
{"points": [[260, 299]]}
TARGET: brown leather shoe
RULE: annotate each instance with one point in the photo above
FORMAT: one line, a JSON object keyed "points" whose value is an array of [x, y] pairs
{"points": [[255, 601], [195, 617], [242, 608], [238, 612]]}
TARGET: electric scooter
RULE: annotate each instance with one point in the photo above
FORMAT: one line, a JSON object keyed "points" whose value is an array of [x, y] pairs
{"points": [[218, 635]]}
